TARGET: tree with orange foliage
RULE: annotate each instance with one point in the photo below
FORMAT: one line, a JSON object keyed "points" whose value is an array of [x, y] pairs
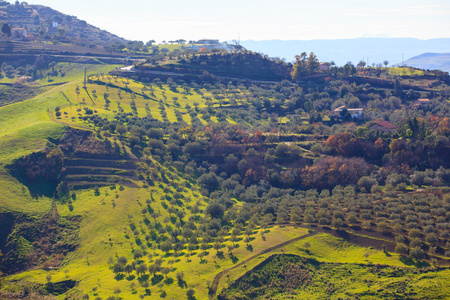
{"points": [[332, 171], [344, 144], [253, 176]]}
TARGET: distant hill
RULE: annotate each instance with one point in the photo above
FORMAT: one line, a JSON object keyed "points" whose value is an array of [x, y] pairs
{"points": [[44, 23], [234, 65], [343, 50], [431, 61]]}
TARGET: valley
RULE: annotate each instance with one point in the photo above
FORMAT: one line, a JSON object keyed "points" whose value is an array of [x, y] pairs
{"points": [[218, 174]]}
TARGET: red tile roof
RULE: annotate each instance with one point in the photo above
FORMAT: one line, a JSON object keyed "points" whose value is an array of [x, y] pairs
{"points": [[384, 124]]}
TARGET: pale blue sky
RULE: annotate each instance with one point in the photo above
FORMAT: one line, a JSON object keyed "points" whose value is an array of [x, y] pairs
{"points": [[262, 19]]}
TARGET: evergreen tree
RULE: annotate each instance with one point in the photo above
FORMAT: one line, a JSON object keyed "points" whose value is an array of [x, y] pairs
{"points": [[6, 30]]}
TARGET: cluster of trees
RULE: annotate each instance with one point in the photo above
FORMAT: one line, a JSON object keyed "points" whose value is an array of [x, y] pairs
{"points": [[304, 65], [242, 64], [41, 241], [36, 68], [402, 149], [279, 274], [420, 144], [44, 166], [354, 177], [309, 169]]}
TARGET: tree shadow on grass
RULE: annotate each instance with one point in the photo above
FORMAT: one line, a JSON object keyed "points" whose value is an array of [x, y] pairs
{"points": [[343, 234], [387, 233], [89, 95], [411, 262], [37, 188]]}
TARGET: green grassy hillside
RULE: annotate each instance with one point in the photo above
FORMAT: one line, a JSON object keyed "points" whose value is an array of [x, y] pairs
{"points": [[202, 213], [27, 127], [306, 278]]}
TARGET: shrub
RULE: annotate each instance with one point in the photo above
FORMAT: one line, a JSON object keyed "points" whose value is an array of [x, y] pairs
{"points": [[351, 219], [338, 223], [190, 293], [367, 183], [414, 233], [383, 225], [431, 238], [417, 253], [401, 248]]}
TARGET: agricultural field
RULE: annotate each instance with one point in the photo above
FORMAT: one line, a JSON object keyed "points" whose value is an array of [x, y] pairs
{"points": [[108, 95], [125, 234], [405, 71]]}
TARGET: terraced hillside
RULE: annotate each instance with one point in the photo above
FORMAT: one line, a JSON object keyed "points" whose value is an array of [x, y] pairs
{"points": [[85, 173], [92, 162]]}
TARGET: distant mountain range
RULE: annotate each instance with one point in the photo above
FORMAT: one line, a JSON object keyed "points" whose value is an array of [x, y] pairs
{"points": [[431, 61], [375, 50]]}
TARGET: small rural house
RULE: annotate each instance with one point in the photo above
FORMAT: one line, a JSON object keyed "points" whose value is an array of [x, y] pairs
{"points": [[19, 33], [24, 79], [422, 102], [354, 112], [382, 126]]}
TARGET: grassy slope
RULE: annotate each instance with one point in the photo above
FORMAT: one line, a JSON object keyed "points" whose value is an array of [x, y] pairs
{"points": [[26, 127], [348, 269], [104, 232], [116, 95], [324, 248], [337, 280]]}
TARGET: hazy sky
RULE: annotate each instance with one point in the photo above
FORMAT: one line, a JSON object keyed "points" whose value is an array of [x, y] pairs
{"points": [[262, 19]]}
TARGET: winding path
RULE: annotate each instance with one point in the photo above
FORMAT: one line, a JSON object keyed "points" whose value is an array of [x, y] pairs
{"points": [[219, 275]]}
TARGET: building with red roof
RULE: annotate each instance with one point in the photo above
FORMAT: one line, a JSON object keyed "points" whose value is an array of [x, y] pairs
{"points": [[383, 126]]}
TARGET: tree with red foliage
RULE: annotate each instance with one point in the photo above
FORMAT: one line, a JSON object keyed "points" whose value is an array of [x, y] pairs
{"points": [[344, 144], [332, 171], [253, 176]]}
